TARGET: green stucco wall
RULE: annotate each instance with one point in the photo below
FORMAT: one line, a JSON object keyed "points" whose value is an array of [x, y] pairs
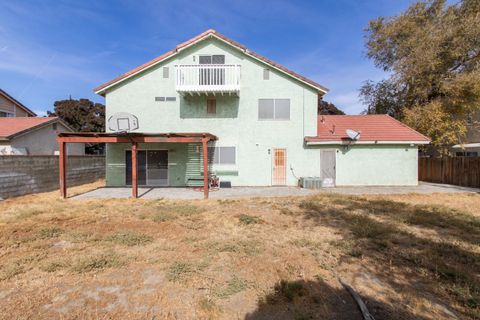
{"points": [[236, 124], [381, 165]]}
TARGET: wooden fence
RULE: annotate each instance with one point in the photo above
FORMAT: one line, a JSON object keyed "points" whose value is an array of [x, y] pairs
{"points": [[461, 171]]}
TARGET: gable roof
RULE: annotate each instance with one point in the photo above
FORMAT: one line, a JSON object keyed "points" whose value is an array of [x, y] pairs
{"points": [[379, 128], [209, 33], [17, 103], [12, 127]]}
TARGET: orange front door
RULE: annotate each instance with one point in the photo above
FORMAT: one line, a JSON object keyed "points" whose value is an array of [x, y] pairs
{"points": [[279, 175]]}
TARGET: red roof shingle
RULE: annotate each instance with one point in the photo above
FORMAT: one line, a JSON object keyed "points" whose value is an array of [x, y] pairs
{"points": [[199, 37], [10, 127], [379, 128]]}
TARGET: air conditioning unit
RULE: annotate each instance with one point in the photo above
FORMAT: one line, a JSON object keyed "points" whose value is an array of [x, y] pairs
{"points": [[311, 182]]}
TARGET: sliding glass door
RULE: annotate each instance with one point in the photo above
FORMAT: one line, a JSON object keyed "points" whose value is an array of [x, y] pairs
{"points": [[152, 168]]}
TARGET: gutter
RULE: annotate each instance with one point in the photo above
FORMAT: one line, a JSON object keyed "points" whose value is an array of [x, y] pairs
{"points": [[374, 142]]}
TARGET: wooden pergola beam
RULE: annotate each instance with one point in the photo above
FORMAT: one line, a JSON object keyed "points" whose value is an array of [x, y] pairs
{"points": [[134, 139], [62, 168], [134, 170], [130, 139], [205, 167]]}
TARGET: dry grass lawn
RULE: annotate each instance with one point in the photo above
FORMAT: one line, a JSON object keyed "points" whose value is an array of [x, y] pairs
{"points": [[409, 257]]}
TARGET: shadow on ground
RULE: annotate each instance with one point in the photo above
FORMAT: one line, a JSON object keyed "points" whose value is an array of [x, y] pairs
{"points": [[443, 269], [314, 300]]}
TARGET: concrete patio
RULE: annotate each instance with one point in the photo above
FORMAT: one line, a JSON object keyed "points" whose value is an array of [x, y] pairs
{"points": [[248, 192]]}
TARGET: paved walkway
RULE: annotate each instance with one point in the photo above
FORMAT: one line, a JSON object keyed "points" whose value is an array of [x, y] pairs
{"points": [[248, 192]]}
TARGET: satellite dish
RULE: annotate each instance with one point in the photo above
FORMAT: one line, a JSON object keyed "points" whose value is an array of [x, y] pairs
{"points": [[122, 121], [354, 135]]}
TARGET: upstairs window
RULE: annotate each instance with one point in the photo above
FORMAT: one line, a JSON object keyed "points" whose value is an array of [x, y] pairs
{"points": [[211, 59], [223, 155], [273, 109], [6, 114]]}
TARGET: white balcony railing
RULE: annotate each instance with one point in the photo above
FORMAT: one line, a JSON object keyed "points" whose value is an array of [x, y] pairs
{"points": [[205, 78]]}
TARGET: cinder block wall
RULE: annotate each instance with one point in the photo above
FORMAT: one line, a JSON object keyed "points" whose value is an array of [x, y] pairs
{"points": [[20, 175]]}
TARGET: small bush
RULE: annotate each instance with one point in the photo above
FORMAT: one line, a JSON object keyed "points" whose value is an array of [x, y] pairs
{"points": [[207, 305], [129, 238], [234, 286], [289, 290], [10, 271], [163, 216], [53, 266], [98, 262], [365, 227], [179, 271], [50, 232], [164, 213], [246, 219]]}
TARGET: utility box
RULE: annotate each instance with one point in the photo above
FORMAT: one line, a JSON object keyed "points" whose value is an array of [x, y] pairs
{"points": [[311, 182]]}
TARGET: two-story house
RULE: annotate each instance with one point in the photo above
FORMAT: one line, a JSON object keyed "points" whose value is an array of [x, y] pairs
{"points": [[264, 117]]}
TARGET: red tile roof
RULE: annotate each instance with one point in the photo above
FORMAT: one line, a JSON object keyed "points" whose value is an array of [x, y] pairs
{"points": [[372, 128], [17, 103], [199, 37], [10, 127]]}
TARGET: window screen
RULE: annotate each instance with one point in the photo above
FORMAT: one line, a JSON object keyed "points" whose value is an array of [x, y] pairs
{"points": [[266, 74], [159, 98], [273, 109], [171, 99], [282, 109], [165, 72], [218, 59], [265, 109], [205, 60], [214, 59], [223, 155]]}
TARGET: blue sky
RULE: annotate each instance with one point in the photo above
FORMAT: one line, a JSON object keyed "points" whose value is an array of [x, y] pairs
{"points": [[50, 50]]}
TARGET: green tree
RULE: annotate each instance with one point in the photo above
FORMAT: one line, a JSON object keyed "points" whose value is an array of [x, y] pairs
{"points": [[325, 107], [432, 52], [82, 115]]}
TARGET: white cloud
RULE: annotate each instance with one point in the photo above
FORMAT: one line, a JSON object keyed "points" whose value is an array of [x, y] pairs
{"points": [[348, 102]]}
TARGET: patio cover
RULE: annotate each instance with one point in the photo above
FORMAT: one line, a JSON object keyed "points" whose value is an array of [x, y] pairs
{"points": [[133, 138]]}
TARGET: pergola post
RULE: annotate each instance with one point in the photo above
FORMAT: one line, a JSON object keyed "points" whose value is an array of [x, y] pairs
{"points": [[205, 167], [134, 170], [62, 168]]}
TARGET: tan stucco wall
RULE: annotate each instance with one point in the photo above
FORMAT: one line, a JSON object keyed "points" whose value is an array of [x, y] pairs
{"points": [[43, 141], [9, 106]]}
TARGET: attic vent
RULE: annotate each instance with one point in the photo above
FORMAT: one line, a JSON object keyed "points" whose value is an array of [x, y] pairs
{"points": [[168, 99], [165, 72], [266, 74]]}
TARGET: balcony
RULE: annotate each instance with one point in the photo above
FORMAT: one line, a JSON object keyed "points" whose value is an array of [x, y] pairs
{"points": [[208, 78]]}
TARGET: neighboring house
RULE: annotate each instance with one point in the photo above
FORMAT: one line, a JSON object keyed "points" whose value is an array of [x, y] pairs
{"points": [[12, 108], [34, 136], [471, 147], [264, 115]]}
